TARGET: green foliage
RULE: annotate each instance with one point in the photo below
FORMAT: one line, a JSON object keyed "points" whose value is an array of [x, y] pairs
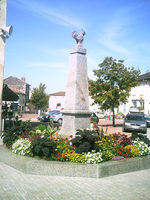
{"points": [[115, 145], [44, 130], [106, 146], [39, 98], [120, 115], [40, 127], [43, 147], [113, 83], [11, 134], [84, 140]]}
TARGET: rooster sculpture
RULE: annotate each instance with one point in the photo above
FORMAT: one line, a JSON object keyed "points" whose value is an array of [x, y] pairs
{"points": [[79, 38]]}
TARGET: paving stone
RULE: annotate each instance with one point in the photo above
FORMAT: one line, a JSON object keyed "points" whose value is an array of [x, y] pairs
{"points": [[15, 185]]}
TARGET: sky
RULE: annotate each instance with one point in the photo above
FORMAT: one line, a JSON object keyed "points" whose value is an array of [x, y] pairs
{"points": [[39, 46]]}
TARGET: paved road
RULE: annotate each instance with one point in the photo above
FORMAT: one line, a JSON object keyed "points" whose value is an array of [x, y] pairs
{"points": [[15, 185]]}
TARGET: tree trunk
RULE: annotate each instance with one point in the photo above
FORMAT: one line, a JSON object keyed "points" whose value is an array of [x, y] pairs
{"points": [[113, 110]]}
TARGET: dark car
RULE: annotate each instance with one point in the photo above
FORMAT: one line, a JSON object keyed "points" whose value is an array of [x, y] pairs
{"points": [[136, 122], [47, 116]]}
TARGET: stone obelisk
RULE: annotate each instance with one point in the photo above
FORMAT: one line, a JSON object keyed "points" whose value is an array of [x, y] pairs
{"points": [[76, 114]]}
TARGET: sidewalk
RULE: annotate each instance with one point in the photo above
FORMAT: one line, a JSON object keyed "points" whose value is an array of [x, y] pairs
{"points": [[15, 185], [18, 185]]}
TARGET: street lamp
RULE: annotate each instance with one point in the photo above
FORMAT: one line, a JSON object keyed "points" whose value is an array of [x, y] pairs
{"points": [[5, 32]]}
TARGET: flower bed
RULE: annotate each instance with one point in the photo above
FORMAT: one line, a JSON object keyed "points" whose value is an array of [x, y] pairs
{"points": [[88, 146]]}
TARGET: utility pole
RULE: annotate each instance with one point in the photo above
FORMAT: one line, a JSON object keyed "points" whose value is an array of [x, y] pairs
{"points": [[2, 53], [4, 34]]}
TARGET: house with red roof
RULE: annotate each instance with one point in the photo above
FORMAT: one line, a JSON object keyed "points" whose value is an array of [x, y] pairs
{"points": [[21, 88]]}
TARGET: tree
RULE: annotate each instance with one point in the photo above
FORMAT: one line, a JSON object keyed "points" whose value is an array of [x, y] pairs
{"points": [[113, 84], [39, 98]]}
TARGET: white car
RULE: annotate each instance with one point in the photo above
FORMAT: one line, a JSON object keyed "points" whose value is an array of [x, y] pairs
{"points": [[57, 118]]}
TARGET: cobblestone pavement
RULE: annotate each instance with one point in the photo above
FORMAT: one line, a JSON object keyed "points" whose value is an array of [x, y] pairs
{"points": [[15, 185]]}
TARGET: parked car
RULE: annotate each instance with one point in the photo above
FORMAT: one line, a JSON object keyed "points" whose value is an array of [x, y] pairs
{"points": [[136, 122], [133, 110], [46, 117], [57, 118], [147, 117]]}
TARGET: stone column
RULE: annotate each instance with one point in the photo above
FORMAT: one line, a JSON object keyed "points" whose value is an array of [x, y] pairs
{"points": [[76, 114], [2, 53], [148, 133]]}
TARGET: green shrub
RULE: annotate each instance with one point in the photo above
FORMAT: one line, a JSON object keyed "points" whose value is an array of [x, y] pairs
{"points": [[106, 146], [40, 127], [84, 141], [13, 133], [107, 155], [44, 130], [43, 147]]}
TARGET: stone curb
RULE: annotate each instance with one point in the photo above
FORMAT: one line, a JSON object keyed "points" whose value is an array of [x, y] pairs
{"points": [[34, 166]]}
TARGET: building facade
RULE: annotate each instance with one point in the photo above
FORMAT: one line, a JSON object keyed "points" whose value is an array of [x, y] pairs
{"points": [[21, 88], [57, 101], [139, 96]]}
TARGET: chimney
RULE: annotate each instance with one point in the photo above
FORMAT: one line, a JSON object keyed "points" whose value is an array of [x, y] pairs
{"points": [[23, 79]]}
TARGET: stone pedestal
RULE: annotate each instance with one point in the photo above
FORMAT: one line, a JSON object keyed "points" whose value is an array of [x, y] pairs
{"points": [[76, 114], [148, 133]]}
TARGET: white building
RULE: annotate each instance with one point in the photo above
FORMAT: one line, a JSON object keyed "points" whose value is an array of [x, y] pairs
{"points": [[57, 101], [139, 96]]}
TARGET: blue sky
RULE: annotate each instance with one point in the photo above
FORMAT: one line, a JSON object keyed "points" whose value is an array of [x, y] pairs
{"points": [[38, 48]]}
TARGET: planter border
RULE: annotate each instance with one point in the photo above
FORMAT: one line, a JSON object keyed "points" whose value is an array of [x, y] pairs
{"points": [[35, 166]]}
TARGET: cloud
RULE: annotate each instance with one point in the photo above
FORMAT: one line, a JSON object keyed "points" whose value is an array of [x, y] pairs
{"points": [[92, 63], [114, 32], [46, 65], [48, 13], [62, 51]]}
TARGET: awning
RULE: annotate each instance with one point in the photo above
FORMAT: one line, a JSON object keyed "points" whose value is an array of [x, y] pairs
{"points": [[8, 94], [15, 104]]}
